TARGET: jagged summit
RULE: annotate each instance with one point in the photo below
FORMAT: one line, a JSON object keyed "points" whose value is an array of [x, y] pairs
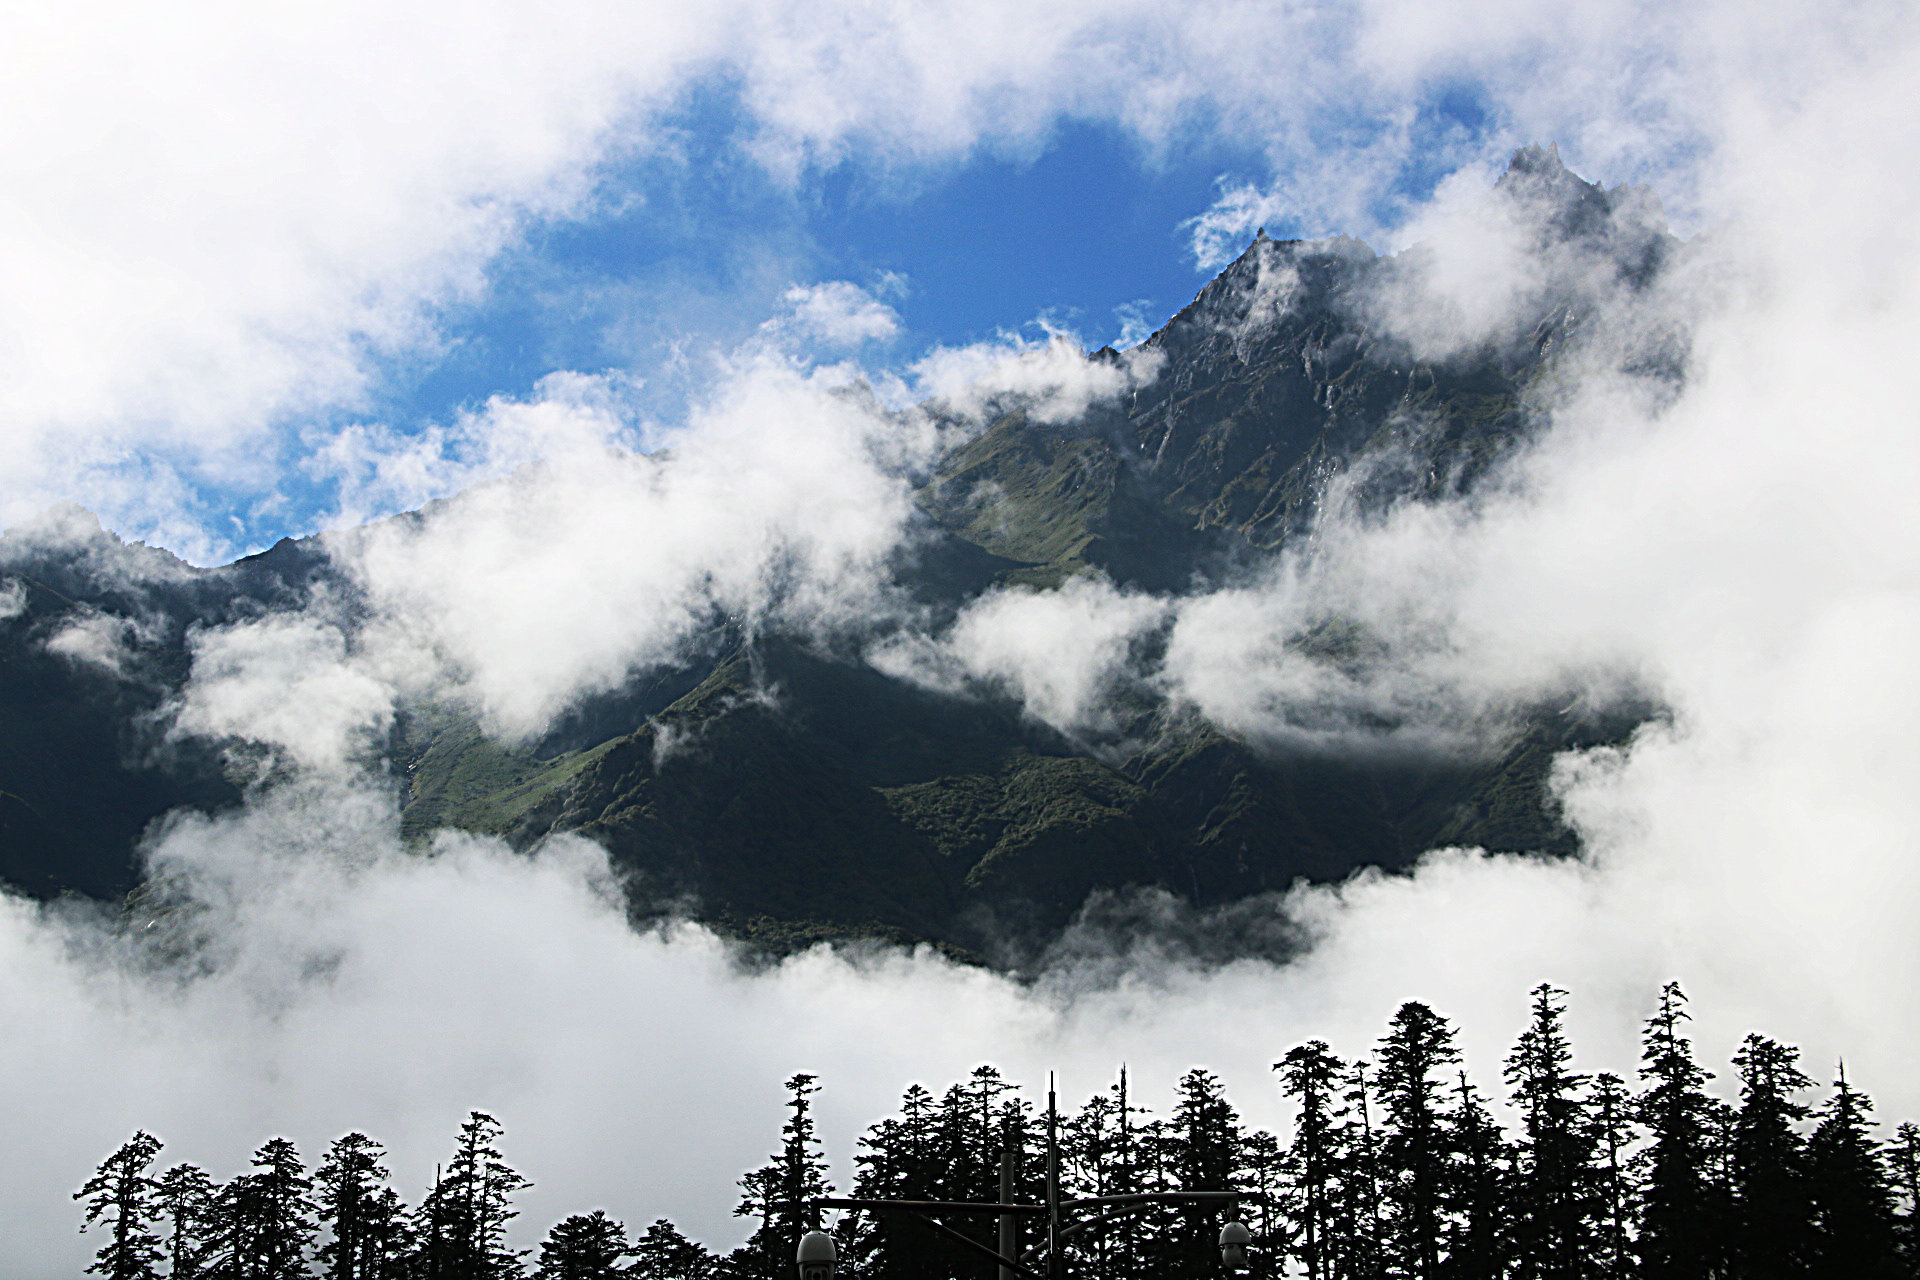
{"points": [[1624, 223], [1534, 158]]}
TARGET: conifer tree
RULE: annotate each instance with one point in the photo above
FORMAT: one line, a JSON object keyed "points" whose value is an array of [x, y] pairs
{"points": [[1357, 1211], [1263, 1175], [388, 1246], [1205, 1142], [1678, 1216], [1116, 1167], [1089, 1141], [122, 1200], [348, 1185], [586, 1246], [803, 1169], [1121, 1242], [662, 1253], [896, 1161], [780, 1194], [759, 1198], [1719, 1228], [1097, 1160], [995, 1110], [1848, 1189], [1903, 1157], [1398, 1171], [1553, 1206], [1310, 1076], [1610, 1137], [1414, 1166], [463, 1221], [190, 1201], [1770, 1209], [1476, 1192], [265, 1218]]}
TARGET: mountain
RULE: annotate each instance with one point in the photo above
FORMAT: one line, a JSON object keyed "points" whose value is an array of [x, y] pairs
{"points": [[787, 791]]}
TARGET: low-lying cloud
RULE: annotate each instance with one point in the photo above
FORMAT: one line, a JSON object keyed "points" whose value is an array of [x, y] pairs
{"points": [[285, 683], [1058, 653], [577, 560]]}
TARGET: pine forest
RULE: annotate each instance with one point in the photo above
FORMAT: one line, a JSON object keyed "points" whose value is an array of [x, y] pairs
{"points": [[1394, 1165]]}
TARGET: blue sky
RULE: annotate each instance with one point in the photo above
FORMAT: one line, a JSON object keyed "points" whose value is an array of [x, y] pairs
{"points": [[688, 253], [1087, 229], [235, 237], [678, 257], [1089, 233]]}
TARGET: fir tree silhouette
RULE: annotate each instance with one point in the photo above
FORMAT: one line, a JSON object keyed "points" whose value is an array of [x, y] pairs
{"points": [[190, 1201], [264, 1219], [1770, 1209], [1679, 1217], [347, 1196], [121, 1199], [463, 1221], [1310, 1075], [1414, 1167], [1851, 1200], [779, 1194], [586, 1246], [1554, 1174], [662, 1253]]}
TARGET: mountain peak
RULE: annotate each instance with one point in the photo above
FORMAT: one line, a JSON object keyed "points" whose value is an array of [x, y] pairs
{"points": [[1564, 206], [1534, 158], [1536, 176], [64, 523]]}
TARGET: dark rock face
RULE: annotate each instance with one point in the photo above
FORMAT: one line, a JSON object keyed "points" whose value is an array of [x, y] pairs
{"points": [[1284, 370], [88, 661], [792, 794]]}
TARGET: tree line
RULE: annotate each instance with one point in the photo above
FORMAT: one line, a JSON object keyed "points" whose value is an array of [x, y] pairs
{"points": [[1396, 1167]]}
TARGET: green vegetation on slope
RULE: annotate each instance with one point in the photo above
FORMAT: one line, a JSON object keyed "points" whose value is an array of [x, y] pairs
{"points": [[791, 792]]}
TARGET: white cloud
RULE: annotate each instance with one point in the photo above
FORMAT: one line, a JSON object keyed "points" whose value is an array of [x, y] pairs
{"points": [[220, 215], [1744, 551], [835, 313], [1052, 379], [1060, 653], [343, 984], [334, 982], [574, 561], [13, 599], [782, 500], [219, 223], [101, 640], [377, 471], [73, 537], [287, 682]]}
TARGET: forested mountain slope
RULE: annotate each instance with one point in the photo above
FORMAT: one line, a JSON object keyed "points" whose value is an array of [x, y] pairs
{"points": [[788, 789]]}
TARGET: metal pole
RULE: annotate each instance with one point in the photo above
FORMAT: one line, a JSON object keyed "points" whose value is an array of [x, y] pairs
{"points": [[1056, 1265], [1128, 1182], [1009, 1242]]}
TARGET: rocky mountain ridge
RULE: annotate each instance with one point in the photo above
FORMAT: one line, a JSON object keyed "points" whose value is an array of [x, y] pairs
{"points": [[788, 792]]}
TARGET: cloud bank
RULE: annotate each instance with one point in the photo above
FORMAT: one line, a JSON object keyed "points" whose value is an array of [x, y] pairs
{"points": [[225, 225]]}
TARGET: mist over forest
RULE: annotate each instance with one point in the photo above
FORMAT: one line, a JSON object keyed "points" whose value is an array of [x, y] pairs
{"points": [[530, 591]]}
